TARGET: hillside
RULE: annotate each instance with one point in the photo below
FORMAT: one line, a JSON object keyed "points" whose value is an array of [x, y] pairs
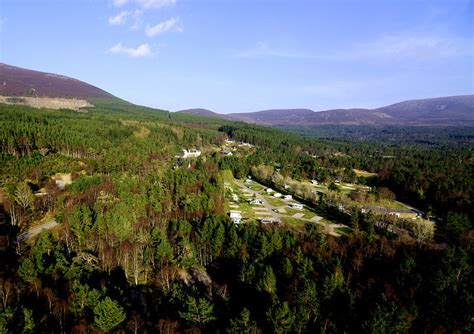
{"points": [[17, 81], [201, 112], [436, 110], [453, 110]]}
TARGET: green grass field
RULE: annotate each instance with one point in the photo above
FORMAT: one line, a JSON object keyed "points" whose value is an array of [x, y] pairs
{"points": [[275, 201], [343, 230]]}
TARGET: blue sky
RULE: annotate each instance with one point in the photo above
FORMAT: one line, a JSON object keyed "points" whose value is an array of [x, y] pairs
{"points": [[248, 55]]}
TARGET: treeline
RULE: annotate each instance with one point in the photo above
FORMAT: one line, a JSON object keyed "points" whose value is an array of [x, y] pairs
{"points": [[427, 135], [212, 275]]}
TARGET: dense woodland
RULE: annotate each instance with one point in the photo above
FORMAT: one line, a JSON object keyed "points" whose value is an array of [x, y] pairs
{"points": [[143, 243]]}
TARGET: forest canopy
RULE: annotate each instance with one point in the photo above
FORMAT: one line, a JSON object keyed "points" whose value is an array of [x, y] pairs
{"points": [[138, 239]]}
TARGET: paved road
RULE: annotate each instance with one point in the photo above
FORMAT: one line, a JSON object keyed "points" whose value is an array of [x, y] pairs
{"points": [[36, 230]]}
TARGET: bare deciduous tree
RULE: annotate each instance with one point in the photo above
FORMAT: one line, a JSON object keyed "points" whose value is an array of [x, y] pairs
{"points": [[423, 231], [24, 196]]}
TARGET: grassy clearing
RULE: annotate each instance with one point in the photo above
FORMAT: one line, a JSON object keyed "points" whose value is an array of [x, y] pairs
{"points": [[290, 211], [227, 176], [293, 221], [389, 204], [275, 201], [255, 186], [343, 230], [249, 211], [364, 173], [392, 204]]}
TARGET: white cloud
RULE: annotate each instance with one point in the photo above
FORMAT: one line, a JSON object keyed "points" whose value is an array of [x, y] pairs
{"points": [[155, 3], [120, 18], [120, 3], [168, 25], [386, 48], [137, 17], [143, 50], [403, 48]]}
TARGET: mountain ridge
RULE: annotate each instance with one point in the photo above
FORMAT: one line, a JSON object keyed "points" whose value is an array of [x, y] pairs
{"points": [[450, 110]]}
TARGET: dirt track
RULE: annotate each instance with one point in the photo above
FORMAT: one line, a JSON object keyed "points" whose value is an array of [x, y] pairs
{"points": [[36, 230]]}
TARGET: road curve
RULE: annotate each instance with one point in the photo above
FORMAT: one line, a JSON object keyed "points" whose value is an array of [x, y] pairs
{"points": [[36, 230]]}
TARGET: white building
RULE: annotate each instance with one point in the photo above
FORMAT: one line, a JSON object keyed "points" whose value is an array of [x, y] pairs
{"points": [[288, 197], [191, 153], [235, 198], [227, 153], [235, 216], [277, 195], [297, 206], [248, 181], [269, 190], [314, 182], [61, 184], [256, 202], [287, 186]]}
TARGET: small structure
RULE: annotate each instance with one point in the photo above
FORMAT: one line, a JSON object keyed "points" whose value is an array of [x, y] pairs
{"points": [[277, 195], [191, 153], [287, 186], [269, 190], [248, 181], [61, 184], [268, 221], [227, 153], [235, 216], [235, 198], [297, 206], [287, 197], [314, 182], [256, 202]]}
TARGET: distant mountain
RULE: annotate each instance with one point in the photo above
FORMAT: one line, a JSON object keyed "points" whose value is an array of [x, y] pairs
{"points": [[453, 110], [17, 81], [274, 116], [434, 110], [201, 112]]}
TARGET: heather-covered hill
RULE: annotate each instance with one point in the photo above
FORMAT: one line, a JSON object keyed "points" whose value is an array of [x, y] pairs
{"points": [[452, 110], [17, 81]]}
